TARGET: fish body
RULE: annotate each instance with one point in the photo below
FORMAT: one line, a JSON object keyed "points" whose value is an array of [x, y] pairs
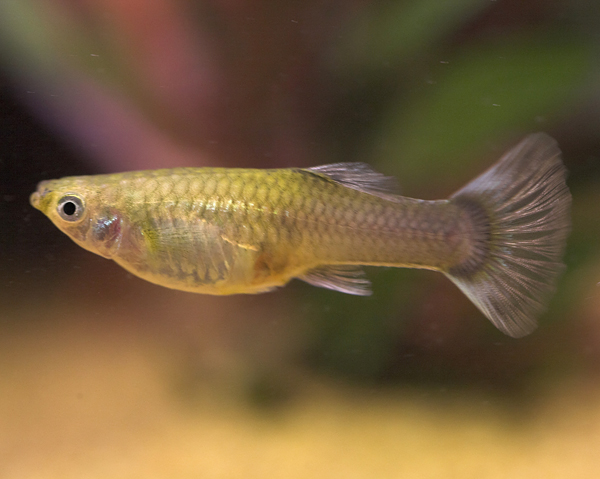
{"points": [[228, 231]]}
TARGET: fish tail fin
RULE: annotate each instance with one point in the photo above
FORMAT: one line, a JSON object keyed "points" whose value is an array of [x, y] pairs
{"points": [[520, 212]]}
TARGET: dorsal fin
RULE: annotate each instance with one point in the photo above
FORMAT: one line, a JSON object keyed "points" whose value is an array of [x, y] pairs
{"points": [[361, 177]]}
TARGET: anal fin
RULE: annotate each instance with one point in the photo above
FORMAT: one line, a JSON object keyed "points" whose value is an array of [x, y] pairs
{"points": [[344, 278]]}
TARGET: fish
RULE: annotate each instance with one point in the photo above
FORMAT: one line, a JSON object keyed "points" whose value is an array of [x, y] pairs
{"points": [[500, 238]]}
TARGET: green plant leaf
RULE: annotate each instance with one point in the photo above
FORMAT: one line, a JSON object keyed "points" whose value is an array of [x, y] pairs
{"points": [[485, 92], [389, 32]]}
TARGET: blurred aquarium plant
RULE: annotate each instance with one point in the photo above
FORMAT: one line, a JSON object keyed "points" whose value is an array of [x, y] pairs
{"points": [[429, 91]]}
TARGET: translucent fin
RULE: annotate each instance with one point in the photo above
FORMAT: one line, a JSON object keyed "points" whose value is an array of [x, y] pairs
{"points": [[520, 210], [346, 279], [361, 177]]}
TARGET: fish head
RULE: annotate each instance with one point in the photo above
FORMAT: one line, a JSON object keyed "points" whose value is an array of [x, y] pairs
{"points": [[78, 208]]}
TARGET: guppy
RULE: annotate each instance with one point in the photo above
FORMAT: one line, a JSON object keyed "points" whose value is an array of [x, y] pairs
{"points": [[226, 231]]}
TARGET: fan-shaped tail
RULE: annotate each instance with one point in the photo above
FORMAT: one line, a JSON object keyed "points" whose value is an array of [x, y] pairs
{"points": [[520, 210]]}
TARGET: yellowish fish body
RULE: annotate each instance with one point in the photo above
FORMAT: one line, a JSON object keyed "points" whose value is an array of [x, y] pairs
{"points": [[227, 231]]}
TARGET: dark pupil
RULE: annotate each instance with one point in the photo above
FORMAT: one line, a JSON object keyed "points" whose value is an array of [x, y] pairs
{"points": [[69, 208]]}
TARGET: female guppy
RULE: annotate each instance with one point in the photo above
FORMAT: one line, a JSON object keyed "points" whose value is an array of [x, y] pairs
{"points": [[226, 231]]}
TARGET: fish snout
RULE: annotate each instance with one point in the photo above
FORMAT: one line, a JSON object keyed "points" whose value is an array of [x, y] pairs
{"points": [[34, 199], [37, 196]]}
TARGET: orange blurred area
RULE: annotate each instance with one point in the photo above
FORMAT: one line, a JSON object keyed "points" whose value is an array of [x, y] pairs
{"points": [[86, 398]]}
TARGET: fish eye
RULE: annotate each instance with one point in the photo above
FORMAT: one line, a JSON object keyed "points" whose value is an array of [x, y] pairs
{"points": [[70, 208]]}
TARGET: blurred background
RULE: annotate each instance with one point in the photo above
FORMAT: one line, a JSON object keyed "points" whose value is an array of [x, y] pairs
{"points": [[103, 375]]}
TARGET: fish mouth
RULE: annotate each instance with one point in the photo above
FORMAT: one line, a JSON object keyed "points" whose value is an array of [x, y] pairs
{"points": [[34, 199], [38, 195]]}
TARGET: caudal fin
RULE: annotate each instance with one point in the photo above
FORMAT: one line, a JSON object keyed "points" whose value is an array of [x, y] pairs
{"points": [[520, 210]]}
